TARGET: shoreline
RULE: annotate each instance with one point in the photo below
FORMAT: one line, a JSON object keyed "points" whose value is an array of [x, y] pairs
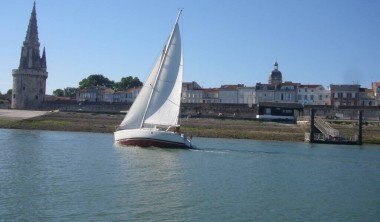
{"points": [[205, 127]]}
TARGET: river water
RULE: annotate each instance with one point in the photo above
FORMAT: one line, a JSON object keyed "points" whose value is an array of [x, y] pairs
{"points": [[71, 176]]}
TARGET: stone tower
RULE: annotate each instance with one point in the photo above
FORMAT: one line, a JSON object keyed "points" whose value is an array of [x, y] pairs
{"points": [[29, 80]]}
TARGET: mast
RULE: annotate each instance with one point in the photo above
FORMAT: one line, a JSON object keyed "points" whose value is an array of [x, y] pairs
{"points": [[160, 67]]}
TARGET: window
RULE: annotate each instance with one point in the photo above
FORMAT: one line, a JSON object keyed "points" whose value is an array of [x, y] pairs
{"points": [[305, 97], [14, 96], [320, 97], [311, 97]]}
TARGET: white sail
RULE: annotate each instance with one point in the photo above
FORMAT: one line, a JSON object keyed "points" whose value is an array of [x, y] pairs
{"points": [[165, 102], [163, 87]]}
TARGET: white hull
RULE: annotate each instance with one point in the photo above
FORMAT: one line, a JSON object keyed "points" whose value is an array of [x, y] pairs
{"points": [[151, 137]]}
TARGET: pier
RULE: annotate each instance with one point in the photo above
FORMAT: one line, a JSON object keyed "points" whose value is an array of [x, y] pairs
{"points": [[322, 132]]}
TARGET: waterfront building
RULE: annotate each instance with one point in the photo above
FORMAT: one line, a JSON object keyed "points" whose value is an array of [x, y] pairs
{"points": [[286, 92], [264, 92], [132, 94], [376, 92], [95, 94], [211, 95], [246, 95], [276, 90], [366, 97], [191, 93], [344, 95], [119, 96], [29, 80], [229, 93], [313, 95]]}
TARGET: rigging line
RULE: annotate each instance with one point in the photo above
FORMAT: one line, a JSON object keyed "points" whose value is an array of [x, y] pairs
{"points": [[174, 103]]}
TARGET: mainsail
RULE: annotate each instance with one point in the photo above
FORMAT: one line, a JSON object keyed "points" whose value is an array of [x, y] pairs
{"points": [[158, 102]]}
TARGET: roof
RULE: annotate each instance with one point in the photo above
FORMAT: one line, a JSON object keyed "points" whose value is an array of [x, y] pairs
{"points": [[191, 85], [260, 86], [344, 87], [211, 90], [366, 90], [310, 86], [231, 87]]}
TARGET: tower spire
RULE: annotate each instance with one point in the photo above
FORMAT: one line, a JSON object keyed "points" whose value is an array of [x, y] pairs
{"points": [[32, 33], [30, 55]]}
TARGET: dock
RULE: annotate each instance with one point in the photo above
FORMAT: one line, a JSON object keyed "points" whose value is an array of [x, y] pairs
{"points": [[322, 132]]}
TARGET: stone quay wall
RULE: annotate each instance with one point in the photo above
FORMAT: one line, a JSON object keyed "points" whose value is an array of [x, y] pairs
{"points": [[205, 110], [187, 109]]}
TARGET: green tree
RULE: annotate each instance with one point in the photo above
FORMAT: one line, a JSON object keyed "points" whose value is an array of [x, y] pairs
{"points": [[58, 92], [9, 92], [70, 91], [96, 80], [128, 82]]}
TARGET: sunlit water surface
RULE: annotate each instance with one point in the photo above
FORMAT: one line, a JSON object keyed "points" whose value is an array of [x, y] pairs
{"points": [[71, 176]]}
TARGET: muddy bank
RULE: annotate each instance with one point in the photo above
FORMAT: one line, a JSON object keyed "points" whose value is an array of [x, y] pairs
{"points": [[215, 128]]}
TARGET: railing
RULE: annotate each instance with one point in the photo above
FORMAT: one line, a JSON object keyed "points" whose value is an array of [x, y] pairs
{"points": [[325, 128]]}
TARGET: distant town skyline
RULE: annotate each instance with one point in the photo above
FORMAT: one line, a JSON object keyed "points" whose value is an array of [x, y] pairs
{"points": [[225, 42]]}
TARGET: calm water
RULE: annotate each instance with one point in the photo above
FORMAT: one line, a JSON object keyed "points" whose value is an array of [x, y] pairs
{"points": [[65, 176]]}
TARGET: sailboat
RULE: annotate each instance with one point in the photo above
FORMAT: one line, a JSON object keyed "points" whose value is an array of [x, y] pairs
{"points": [[152, 119]]}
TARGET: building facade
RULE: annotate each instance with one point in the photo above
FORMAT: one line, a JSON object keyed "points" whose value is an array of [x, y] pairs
{"points": [[229, 93], [191, 93], [29, 80], [344, 95], [211, 95], [366, 97], [376, 92], [313, 95], [246, 95], [286, 92], [264, 92], [95, 94]]}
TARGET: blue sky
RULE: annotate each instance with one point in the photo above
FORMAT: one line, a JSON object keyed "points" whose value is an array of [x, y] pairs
{"points": [[225, 41]]}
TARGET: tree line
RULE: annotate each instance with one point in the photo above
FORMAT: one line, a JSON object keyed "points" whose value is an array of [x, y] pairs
{"points": [[99, 80]]}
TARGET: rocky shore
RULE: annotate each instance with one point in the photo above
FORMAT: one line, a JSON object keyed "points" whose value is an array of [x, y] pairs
{"points": [[197, 127]]}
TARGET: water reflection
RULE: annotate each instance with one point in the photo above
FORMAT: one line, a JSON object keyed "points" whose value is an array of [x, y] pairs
{"points": [[153, 180]]}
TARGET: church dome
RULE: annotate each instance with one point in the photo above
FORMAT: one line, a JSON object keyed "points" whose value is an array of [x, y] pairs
{"points": [[275, 77]]}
